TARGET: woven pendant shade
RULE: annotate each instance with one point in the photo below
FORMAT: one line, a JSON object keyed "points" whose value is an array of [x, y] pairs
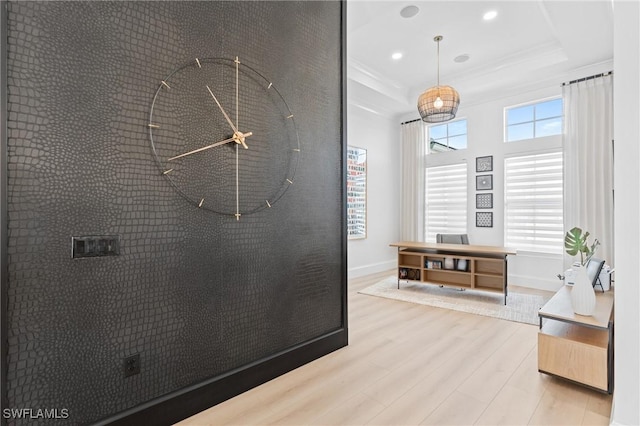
{"points": [[450, 101], [438, 103]]}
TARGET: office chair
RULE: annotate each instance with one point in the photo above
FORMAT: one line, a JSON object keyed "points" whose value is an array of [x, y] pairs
{"points": [[452, 238]]}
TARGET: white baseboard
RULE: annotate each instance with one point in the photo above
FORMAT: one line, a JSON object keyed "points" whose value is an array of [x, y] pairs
{"points": [[612, 422], [535, 282], [372, 268]]}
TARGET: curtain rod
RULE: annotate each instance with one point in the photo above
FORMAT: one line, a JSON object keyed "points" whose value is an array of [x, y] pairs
{"points": [[602, 74], [410, 121]]}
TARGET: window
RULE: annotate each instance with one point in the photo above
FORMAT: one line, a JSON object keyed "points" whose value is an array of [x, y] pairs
{"points": [[534, 120], [533, 203], [448, 137], [446, 200]]}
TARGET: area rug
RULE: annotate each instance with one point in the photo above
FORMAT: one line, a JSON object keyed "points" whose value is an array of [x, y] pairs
{"points": [[520, 307]]}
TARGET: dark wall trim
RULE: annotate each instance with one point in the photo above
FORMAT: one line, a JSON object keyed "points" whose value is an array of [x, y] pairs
{"points": [[179, 405], [4, 242], [343, 104]]}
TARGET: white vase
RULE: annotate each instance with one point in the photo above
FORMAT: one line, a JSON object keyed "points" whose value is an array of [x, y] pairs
{"points": [[583, 297]]}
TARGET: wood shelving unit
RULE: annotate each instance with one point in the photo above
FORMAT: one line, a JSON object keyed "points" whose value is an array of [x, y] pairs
{"points": [[461, 266]]}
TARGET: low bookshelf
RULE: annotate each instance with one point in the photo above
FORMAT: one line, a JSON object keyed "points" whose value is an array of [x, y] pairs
{"points": [[454, 265]]}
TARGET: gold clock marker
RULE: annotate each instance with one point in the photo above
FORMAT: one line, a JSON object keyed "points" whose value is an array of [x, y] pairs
{"points": [[268, 203], [164, 83], [290, 181], [153, 126], [198, 62], [166, 172], [201, 202]]}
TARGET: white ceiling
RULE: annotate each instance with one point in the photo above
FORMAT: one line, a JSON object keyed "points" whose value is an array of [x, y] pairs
{"points": [[529, 43]]}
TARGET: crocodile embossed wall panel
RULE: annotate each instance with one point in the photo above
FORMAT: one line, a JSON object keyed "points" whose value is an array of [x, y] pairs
{"points": [[194, 293]]}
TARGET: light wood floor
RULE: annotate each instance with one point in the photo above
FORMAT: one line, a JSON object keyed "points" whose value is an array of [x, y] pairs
{"points": [[408, 364]]}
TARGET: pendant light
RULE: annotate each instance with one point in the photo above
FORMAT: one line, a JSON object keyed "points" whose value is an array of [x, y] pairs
{"points": [[439, 103]]}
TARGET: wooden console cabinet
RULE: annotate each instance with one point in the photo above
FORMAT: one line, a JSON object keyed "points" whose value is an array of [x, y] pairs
{"points": [[454, 265], [576, 347]]}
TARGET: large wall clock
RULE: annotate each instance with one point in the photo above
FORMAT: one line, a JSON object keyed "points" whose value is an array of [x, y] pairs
{"points": [[223, 136]]}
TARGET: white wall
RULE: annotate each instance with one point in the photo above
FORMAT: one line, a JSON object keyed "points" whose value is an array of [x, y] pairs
{"points": [[485, 127], [626, 398], [379, 135]]}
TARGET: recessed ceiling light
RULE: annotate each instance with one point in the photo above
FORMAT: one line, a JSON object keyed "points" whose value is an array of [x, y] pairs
{"points": [[490, 15], [409, 11], [396, 56], [461, 58]]}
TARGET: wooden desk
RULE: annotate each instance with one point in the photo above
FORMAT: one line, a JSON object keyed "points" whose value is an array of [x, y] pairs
{"points": [[474, 267], [577, 347]]}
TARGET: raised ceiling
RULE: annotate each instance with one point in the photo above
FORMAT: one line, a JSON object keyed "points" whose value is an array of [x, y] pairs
{"points": [[528, 44]]}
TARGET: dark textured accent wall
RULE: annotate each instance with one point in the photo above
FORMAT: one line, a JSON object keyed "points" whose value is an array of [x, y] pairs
{"points": [[196, 294]]}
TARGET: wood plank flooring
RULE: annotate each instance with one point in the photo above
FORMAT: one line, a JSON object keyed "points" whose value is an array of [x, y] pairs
{"points": [[409, 364]]}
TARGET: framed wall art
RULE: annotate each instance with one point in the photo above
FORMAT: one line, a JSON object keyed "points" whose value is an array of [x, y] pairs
{"points": [[484, 219], [356, 193], [484, 182], [484, 201], [484, 164]]}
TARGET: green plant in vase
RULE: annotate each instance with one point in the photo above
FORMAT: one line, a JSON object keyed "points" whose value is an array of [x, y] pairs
{"points": [[583, 298], [576, 242]]}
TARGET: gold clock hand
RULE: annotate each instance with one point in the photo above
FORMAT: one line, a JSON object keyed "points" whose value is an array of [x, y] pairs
{"points": [[237, 138], [235, 130]]}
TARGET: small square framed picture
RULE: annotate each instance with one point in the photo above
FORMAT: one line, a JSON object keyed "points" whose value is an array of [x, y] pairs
{"points": [[484, 164], [461, 265], [449, 263], [484, 201], [484, 219], [484, 182]]}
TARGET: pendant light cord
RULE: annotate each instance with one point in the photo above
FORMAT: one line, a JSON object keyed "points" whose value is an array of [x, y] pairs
{"points": [[438, 41]]}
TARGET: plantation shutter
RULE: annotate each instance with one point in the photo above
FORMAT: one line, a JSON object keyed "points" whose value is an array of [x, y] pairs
{"points": [[446, 200], [533, 203]]}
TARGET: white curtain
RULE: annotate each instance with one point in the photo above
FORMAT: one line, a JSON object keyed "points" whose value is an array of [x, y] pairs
{"points": [[588, 161], [414, 149]]}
